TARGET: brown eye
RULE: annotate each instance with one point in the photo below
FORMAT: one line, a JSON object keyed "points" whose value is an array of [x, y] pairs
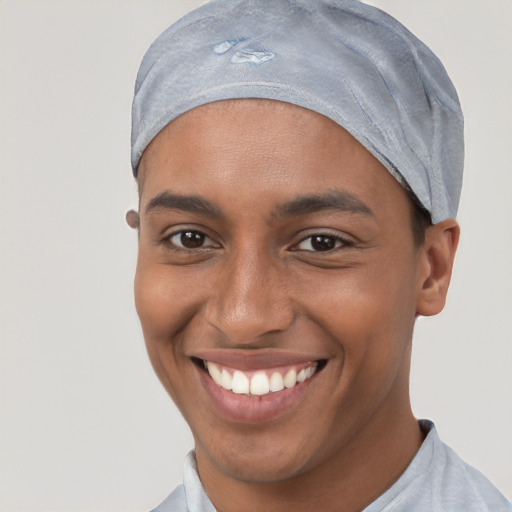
{"points": [[321, 243], [190, 239]]}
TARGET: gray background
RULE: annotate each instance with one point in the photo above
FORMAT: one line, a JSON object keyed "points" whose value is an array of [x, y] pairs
{"points": [[84, 424]]}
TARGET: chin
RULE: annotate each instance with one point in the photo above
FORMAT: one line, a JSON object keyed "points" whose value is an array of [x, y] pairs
{"points": [[260, 461], [262, 471]]}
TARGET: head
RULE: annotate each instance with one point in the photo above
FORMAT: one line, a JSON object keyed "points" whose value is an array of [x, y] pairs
{"points": [[285, 253]]}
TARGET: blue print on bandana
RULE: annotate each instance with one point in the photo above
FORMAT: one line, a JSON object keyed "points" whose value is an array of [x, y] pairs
{"points": [[249, 56]]}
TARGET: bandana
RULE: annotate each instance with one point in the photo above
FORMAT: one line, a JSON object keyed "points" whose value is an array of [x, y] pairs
{"points": [[344, 59]]}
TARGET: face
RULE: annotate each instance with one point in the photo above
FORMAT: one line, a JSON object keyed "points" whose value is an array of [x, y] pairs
{"points": [[276, 258]]}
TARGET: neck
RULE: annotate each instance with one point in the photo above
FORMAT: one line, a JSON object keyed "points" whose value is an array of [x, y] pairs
{"points": [[353, 476]]}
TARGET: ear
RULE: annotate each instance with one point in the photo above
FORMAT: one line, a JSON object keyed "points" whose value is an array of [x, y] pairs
{"points": [[132, 219], [435, 266]]}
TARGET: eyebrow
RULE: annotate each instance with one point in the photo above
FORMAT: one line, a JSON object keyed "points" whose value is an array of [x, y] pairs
{"points": [[189, 203], [340, 200]]}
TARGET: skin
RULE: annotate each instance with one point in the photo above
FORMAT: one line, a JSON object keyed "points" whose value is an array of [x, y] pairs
{"points": [[257, 284]]}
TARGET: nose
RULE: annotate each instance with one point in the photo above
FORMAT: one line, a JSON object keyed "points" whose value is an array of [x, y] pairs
{"points": [[251, 298]]}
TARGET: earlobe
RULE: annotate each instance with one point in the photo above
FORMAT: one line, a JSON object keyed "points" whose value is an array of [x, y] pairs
{"points": [[435, 268]]}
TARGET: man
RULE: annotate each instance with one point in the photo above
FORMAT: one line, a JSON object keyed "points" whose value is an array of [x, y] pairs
{"points": [[299, 167]]}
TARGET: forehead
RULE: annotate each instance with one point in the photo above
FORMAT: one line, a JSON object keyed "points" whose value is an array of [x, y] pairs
{"points": [[217, 126], [264, 147]]}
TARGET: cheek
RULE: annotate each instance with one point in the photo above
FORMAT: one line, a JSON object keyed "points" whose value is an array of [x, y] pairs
{"points": [[168, 301], [157, 301], [163, 301], [369, 311], [153, 301]]}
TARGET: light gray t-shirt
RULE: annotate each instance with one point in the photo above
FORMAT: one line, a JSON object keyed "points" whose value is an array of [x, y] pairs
{"points": [[437, 480]]}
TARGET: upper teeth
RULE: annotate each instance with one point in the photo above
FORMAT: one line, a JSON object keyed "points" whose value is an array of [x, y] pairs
{"points": [[259, 383]]}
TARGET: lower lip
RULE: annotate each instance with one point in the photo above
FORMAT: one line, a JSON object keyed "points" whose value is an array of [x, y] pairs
{"points": [[253, 409]]}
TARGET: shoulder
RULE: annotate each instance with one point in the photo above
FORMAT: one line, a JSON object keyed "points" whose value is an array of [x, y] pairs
{"points": [[175, 502], [189, 496], [464, 486], [438, 479]]}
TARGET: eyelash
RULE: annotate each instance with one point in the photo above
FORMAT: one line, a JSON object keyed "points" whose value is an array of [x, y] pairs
{"points": [[322, 238]]}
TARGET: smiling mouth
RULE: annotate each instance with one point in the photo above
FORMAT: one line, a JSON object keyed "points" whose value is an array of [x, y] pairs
{"points": [[259, 382]]}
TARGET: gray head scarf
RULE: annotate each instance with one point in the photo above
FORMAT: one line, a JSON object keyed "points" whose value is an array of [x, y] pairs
{"points": [[341, 58]]}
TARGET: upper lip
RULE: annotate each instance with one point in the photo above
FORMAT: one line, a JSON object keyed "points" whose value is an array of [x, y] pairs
{"points": [[255, 359]]}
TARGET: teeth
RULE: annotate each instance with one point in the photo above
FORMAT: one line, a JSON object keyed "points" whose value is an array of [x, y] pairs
{"points": [[240, 383], [301, 376], [215, 373], [310, 372], [290, 379], [259, 384], [276, 382], [226, 381]]}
